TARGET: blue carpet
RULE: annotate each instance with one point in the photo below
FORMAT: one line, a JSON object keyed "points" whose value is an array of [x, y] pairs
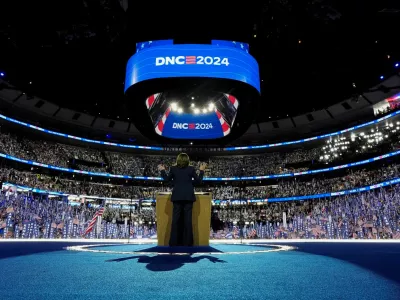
{"points": [[314, 271]]}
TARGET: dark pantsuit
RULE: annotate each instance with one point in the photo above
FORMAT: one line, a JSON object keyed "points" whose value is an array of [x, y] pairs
{"points": [[182, 197], [182, 214]]}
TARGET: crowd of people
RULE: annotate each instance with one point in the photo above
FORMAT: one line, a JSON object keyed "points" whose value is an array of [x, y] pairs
{"points": [[88, 159], [372, 215], [284, 187]]}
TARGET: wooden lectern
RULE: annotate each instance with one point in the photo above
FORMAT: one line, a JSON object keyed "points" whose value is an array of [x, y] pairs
{"points": [[201, 219]]}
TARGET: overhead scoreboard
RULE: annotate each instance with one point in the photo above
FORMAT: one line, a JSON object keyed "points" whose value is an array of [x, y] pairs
{"points": [[222, 77]]}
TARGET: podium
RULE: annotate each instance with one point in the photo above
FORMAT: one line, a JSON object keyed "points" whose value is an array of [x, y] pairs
{"points": [[201, 218]]}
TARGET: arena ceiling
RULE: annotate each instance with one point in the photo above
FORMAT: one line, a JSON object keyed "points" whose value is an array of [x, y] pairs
{"points": [[311, 53]]}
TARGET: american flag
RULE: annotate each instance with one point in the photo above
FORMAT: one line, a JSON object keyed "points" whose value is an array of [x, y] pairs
{"points": [[190, 60], [99, 213], [235, 232], [252, 233]]}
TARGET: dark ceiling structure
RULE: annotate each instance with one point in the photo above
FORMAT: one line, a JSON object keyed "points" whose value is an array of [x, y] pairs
{"points": [[312, 54]]}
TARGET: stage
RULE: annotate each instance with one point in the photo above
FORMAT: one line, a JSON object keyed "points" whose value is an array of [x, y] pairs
{"points": [[227, 269]]}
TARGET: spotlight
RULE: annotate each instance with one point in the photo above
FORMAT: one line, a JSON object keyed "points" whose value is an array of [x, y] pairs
{"points": [[204, 110], [180, 110], [211, 106], [174, 106], [192, 105], [2, 74], [196, 111]]}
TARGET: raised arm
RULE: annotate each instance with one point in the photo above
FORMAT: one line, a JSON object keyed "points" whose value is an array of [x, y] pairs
{"points": [[167, 177], [199, 178]]}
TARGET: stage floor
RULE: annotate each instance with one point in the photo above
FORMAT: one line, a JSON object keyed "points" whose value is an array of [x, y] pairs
{"points": [[258, 269]]}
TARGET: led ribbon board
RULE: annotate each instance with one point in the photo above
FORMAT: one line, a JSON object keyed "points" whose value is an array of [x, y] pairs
{"points": [[319, 137], [354, 164], [228, 65], [235, 201]]}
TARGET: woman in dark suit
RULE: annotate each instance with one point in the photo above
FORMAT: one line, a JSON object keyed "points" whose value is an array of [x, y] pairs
{"points": [[182, 177]]}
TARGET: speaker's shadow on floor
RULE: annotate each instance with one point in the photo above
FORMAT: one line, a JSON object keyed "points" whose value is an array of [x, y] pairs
{"points": [[164, 263]]}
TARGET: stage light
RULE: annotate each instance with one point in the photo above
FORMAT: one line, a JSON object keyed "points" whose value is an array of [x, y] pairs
{"points": [[192, 98], [2, 74], [381, 77], [174, 106], [192, 105], [196, 111], [396, 65], [180, 110], [205, 110], [211, 106]]}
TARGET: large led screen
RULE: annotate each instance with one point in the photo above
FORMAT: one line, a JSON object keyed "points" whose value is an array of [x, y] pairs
{"points": [[208, 121], [221, 59], [210, 74]]}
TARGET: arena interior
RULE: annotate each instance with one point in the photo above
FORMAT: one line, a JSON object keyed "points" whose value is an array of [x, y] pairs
{"points": [[303, 172]]}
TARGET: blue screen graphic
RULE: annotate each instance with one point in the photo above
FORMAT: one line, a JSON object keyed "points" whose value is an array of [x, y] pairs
{"points": [[190, 126], [163, 59]]}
